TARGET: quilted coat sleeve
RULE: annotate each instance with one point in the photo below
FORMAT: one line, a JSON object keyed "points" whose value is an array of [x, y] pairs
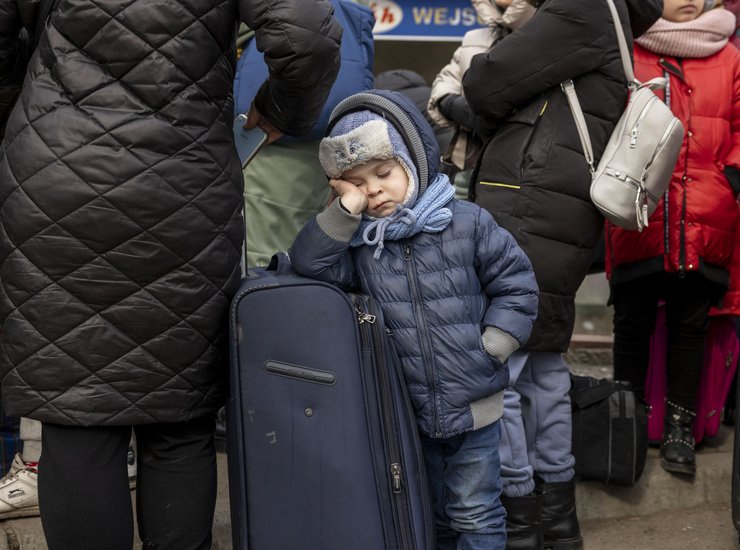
{"points": [[14, 51], [507, 278], [300, 40], [560, 42]]}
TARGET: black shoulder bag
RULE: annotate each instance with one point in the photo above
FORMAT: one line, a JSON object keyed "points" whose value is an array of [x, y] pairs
{"points": [[609, 430]]}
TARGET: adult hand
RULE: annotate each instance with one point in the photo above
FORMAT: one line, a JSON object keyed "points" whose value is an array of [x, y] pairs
{"points": [[254, 118]]}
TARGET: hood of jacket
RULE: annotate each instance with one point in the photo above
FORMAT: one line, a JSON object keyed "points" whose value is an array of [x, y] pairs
{"points": [[643, 13], [400, 111]]}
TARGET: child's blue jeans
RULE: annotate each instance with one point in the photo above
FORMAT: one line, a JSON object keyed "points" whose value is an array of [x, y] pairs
{"points": [[466, 488]]}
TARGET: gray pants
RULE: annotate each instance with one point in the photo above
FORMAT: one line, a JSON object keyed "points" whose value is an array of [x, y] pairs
{"points": [[536, 426]]}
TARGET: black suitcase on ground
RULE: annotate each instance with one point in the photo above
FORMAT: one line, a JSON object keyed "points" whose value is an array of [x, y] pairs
{"points": [[323, 448]]}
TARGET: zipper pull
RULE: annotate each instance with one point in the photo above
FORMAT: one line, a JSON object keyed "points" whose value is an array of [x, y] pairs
{"points": [[396, 477], [644, 216], [645, 205], [363, 317], [633, 138], [407, 252], [638, 210]]}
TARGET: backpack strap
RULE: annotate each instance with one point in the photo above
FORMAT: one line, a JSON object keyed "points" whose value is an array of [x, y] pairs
{"points": [[622, 41], [575, 106], [570, 90], [570, 93]]}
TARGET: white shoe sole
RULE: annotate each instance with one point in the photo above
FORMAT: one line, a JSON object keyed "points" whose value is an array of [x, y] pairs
{"points": [[30, 511]]}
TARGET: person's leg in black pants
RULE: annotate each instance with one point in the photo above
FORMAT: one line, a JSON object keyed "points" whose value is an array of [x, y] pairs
{"points": [[84, 496], [687, 320], [176, 484], [635, 310]]}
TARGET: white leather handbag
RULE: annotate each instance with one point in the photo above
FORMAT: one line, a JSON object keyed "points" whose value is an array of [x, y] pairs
{"points": [[640, 156]]}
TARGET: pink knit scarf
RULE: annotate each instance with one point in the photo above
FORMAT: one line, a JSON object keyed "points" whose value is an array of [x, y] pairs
{"points": [[701, 37]]}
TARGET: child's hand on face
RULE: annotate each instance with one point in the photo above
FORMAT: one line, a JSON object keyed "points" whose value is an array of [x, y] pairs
{"points": [[352, 198]]}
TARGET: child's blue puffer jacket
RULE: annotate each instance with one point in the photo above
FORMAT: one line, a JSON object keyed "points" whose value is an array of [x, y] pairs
{"points": [[437, 293]]}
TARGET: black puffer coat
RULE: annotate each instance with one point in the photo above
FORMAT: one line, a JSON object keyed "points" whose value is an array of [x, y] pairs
{"points": [[533, 176], [120, 199], [15, 46]]}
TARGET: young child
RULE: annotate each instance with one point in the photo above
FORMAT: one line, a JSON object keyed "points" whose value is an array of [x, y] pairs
{"points": [[684, 254], [456, 290]]}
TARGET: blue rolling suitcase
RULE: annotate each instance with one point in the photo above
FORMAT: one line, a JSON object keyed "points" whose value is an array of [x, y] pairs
{"points": [[323, 448]]}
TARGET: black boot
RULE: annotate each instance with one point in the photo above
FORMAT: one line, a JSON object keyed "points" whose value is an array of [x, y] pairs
{"points": [[523, 528], [559, 519], [677, 448]]}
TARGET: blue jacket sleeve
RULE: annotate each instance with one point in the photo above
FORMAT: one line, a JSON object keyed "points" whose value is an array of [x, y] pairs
{"points": [[320, 256], [507, 278]]}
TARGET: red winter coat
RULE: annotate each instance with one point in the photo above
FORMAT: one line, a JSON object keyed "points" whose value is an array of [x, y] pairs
{"points": [[695, 231], [731, 300]]}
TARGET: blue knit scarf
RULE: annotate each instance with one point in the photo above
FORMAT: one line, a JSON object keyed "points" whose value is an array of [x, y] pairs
{"points": [[427, 215]]}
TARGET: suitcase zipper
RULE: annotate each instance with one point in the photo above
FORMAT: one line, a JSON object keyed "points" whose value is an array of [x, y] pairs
{"points": [[370, 333], [418, 453]]}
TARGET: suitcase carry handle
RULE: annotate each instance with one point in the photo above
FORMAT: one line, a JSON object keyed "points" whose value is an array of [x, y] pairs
{"points": [[280, 264]]}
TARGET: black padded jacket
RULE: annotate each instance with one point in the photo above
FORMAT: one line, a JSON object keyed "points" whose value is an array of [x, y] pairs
{"points": [[532, 174]]}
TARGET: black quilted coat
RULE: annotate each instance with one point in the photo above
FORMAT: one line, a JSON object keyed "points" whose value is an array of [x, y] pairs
{"points": [[120, 198], [533, 176]]}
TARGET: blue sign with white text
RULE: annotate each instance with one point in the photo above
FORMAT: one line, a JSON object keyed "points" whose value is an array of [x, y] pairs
{"points": [[423, 20]]}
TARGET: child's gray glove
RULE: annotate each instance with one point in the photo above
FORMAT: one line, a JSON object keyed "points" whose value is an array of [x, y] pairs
{"points": [[499, 343]]}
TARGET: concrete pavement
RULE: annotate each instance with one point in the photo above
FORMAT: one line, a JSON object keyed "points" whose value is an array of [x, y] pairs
{"points": [[661, 512]]}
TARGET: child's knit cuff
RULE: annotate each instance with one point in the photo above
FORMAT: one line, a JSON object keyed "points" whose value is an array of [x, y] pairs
{"points": [[338, 223], [499, 343]]}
